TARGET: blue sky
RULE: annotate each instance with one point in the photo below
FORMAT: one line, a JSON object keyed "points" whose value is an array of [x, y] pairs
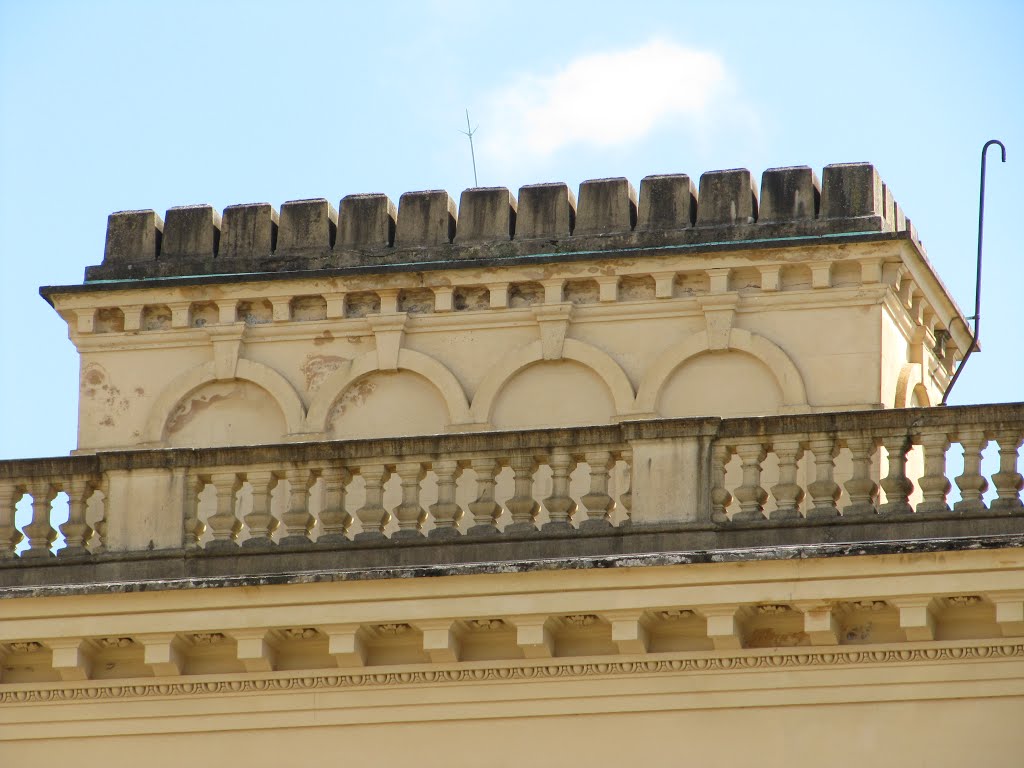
{"points": [[108, 106]]}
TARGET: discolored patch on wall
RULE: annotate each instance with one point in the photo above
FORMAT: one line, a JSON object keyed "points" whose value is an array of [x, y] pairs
{"points": [[353, 397], [582, 291], [525, 294], [191, 407], [108, 402], [636, 288], [471, 298], [324, 338], [416, 302], [767, 637], [316, 368], [235, 412]]}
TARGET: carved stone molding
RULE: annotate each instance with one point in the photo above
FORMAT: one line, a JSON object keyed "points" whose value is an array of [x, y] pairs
{"points": [[542, 669]]}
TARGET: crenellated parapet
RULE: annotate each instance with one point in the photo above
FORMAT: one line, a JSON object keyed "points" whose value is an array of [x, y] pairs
{"points": [[719, 296], [491, 224]]}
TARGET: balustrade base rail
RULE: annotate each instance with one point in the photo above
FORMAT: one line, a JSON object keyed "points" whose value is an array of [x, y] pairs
{"points": [[626, 546]]}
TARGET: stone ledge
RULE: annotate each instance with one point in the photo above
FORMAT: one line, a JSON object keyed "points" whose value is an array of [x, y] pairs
{"points": [[627, 547]]}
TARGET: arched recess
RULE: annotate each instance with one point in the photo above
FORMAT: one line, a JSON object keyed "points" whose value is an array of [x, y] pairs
{"points": [[910, 389], [432, 370], [572, 349], [790, 382], [262, 375]]}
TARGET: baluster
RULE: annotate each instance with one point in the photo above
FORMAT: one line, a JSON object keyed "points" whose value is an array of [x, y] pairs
{"points": [[334, 518], [484, 508], [597, 501], [559, 504], [522, 505], [824, 490], [372, 514], [260, 521], [626, 499], [720, 496], [39, 532], [788, 493], [751, 495], [76, 531], [99, 540], [10, 536], [192, 527], [224, 523], [972, 483], [1008, 481], [409, 513], [297, 520], [862, 490], [446, 509], [896, 484], [934, 484]]}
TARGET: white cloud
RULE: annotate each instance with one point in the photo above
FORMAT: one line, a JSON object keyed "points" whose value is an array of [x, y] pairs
{"points": [[602, 100]]}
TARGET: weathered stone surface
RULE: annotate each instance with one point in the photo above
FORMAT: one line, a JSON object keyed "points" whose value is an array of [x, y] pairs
{"points": [[425, 218], [851, 189], [545, 210], [366, 221], [306, 225], [248, 231], [191, 231], [726, 197], [789, 194], [667, 201], [606, 205], [486, 213], [133, 236]]}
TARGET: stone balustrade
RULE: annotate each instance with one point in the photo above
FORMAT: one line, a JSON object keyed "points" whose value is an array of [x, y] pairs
{"points": [[491, 224], [711, 480]]}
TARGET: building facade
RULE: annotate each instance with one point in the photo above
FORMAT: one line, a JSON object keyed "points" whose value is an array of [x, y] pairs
{"points": [[651, 475]]}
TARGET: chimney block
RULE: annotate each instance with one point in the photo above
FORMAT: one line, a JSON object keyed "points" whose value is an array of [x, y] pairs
{"points": [[667, 201], [248, 231], [789, 194], [306, 225], [851, 189], [132, 236], [425, 218], [367, 221], [726, 197], [191, 231], [545, 210], [486, 213], [606, 205]]}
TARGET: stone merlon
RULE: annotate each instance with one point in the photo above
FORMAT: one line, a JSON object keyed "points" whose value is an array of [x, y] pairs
{"points": [[489, 223]]}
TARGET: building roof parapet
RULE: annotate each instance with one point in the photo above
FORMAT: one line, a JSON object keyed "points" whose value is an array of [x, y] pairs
{"points": [[426, 228]]}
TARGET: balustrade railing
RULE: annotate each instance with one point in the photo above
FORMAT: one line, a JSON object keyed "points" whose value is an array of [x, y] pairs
{"points": [[814, 469]]}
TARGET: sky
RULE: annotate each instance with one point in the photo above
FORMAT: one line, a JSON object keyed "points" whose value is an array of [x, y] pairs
{"points": [[107, 106]]}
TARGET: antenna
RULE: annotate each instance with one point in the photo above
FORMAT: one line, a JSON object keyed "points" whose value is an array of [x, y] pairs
{"points": [[469, 133], [977, 280]]}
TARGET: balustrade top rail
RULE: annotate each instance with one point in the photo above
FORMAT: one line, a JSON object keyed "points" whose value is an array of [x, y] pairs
{"points": [[908, 421]]}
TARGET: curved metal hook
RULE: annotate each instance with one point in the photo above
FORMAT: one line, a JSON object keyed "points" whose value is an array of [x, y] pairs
{"points": [[977, 279]]}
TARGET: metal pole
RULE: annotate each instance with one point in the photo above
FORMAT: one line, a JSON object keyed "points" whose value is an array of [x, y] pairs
{"points": [[977, 278]]}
